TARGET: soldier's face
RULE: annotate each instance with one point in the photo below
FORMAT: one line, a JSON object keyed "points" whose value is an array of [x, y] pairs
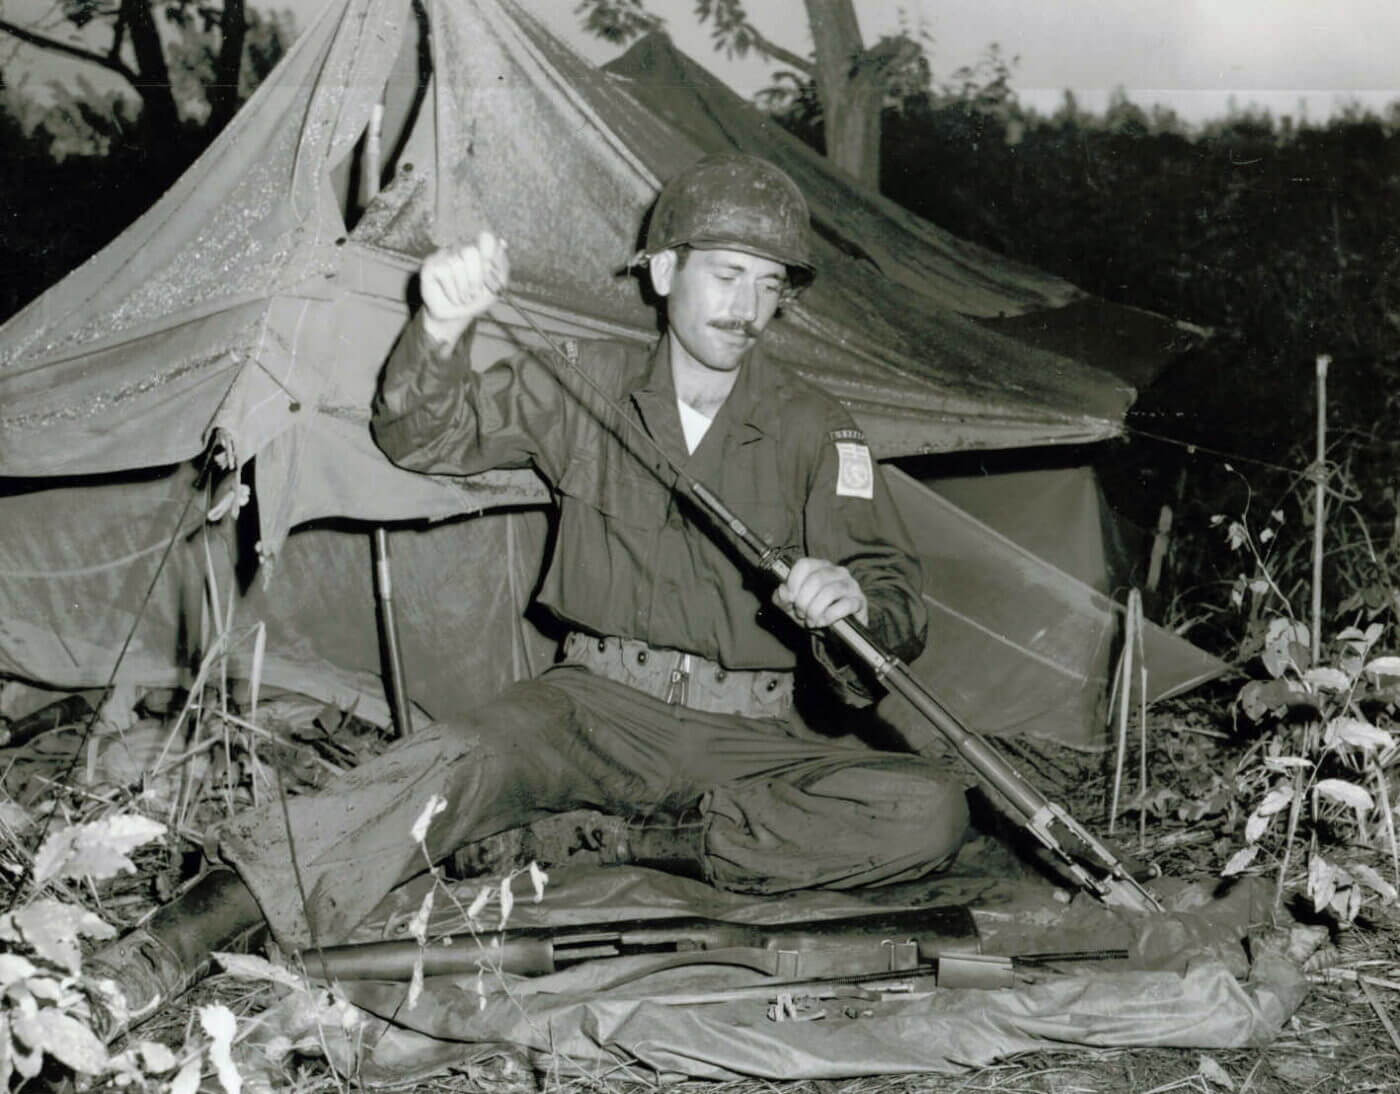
{"points": [[718, 302]]}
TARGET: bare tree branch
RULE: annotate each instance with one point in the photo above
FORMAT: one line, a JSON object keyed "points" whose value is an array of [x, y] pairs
{"points": [[57, 45], [775, 52]]}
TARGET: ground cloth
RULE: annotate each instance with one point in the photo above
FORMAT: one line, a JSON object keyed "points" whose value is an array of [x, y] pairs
{"points": [[1191, 981]]}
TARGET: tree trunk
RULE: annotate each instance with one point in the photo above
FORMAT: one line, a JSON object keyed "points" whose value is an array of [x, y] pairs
{"points": [[157, 98], [851, 93], [223, 95]]}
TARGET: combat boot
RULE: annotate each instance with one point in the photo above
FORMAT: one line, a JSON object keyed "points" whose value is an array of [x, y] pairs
{"points": [[158, 961]]}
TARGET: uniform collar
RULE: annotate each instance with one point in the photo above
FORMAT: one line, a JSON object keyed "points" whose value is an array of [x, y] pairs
{"points": [[657, 379], [655, 398], [752, 403]]}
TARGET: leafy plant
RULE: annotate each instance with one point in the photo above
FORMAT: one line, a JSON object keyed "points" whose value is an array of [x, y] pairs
{"points": [[309, 1018], [1317, 780], [46, 1019]]}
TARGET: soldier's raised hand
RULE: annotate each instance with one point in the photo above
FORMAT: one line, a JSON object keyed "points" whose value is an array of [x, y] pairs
{"points": [[458, 284]]}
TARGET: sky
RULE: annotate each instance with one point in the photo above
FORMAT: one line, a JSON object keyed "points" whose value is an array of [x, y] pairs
{"points": [[1194, 55], [1298, 57]]}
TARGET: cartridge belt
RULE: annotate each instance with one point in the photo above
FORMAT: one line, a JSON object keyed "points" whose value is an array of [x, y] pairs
{"points": [[683, 679]]}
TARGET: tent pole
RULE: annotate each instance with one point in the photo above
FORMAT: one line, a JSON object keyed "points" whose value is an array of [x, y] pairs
{"points": [[370, 166], [389, 633]]}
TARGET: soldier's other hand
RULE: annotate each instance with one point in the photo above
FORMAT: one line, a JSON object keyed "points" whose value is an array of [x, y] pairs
{"points": [[817, 593], [458, 284]]}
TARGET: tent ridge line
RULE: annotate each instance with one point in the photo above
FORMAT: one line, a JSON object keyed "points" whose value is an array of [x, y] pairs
{"points": [[326, 131]]}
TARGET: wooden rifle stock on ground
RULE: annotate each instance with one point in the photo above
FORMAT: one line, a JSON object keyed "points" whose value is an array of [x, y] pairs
{"points": [[941, 942]]}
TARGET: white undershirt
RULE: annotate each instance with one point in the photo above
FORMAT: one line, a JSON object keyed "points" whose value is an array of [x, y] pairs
{"points": [[694, 424]]}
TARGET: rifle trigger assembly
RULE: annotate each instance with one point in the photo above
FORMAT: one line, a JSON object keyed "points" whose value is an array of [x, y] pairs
{"points": [[903, 955]]}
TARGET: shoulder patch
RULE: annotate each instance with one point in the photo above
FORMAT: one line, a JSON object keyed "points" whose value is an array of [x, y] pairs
{"points": [[852, 434], [855, 473]]}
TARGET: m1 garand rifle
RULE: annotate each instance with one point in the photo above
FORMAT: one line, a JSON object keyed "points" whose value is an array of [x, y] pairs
{"points": [[1092, 864], [939, 942]]}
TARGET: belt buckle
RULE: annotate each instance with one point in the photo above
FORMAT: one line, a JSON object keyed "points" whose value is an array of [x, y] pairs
{"points": [[678, 687]]}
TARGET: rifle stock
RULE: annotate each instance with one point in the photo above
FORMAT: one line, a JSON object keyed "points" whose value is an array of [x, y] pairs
{"points": [[866, 945]]}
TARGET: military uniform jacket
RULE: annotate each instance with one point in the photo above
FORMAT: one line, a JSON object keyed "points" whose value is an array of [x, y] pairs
{"points": [[632, 557]]}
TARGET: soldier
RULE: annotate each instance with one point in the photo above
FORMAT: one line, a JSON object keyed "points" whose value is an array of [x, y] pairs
{"points": [[672, 701]]}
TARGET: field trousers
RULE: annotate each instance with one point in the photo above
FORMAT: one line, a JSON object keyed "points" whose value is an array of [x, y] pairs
{"points": [[778, 811]]}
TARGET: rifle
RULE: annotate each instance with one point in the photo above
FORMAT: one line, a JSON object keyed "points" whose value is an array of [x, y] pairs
{"points": [[917, 942], [1096, 868], [1091, 863]]}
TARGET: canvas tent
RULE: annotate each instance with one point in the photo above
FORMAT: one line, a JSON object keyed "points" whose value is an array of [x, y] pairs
{"points": [[251, 308]]}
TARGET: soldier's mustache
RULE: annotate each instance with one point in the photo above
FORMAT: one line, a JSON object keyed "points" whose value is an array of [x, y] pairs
{"points": [[743, 326]]}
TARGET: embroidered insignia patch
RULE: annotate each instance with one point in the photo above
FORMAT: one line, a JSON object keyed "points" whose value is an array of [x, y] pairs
{"points": [[855, 476]]}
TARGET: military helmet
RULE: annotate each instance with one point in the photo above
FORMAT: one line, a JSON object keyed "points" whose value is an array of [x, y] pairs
{"points": [[737, 202]]}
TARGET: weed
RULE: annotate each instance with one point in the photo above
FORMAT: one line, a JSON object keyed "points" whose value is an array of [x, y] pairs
{"points": [[1315, 782]]}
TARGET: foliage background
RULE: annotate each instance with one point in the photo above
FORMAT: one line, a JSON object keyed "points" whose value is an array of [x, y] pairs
{"points": [[1281, 237], [79, 162]]}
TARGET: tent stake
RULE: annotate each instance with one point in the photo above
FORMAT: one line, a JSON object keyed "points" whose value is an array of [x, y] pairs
{"points": [[1120, 697], [1140, 644], [1319, 505]]}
